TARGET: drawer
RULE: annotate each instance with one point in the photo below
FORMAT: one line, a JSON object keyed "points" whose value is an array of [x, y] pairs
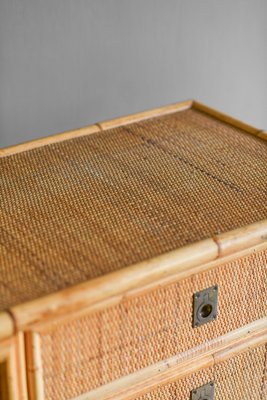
{"points": [[242, 377], [74, 356]]}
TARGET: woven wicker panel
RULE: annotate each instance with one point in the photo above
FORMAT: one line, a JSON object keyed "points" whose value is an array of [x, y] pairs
{"points": [[108, 344], [239, 378], [85, 207], [264, 385]]}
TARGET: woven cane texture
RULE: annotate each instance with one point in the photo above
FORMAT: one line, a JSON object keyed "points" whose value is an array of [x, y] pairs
{"points": [[264, 385], [78, 209], [85, 207], [140, 331], [239, 378]]}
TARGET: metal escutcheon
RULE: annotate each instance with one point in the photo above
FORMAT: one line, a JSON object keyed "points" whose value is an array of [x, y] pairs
{"points": [[205, 306], [205, 392]]}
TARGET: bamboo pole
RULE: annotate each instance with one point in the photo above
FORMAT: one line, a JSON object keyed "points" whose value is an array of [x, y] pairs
{"points": [[196, 105], [88, 130], [96, 290], [34, 366], [156, 112], [263, 135], [181, 263], [55, 319], [6, 325], [239, 239], [60, 137], [21, 363], [137, 117]]}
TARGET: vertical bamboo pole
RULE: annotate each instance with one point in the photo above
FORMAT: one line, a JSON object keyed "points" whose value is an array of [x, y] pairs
{"points": [[34, 366]]}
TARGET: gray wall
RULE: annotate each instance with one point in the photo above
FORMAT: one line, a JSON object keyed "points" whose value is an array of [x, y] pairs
{"points": [[69, 63]]}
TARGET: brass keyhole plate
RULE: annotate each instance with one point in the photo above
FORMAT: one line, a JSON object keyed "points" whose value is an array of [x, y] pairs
{"points": [[205, 306], [205, 392]]}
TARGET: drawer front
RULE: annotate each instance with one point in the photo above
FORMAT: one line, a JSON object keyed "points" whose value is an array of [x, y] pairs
{"points": [[82, 354], [243, 377]]}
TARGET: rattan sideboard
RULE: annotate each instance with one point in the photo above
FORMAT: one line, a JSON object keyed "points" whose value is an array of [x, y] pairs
{"points": [[133, 260]]}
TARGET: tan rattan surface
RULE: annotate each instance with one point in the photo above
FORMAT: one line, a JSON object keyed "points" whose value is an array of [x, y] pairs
{"points": [[82, 208]]}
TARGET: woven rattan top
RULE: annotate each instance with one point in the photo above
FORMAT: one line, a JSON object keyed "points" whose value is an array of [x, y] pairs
{"points": [[78, 209]]}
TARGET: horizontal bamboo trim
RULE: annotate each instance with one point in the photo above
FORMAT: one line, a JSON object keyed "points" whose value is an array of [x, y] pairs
{"points": [[239, 239], [6, 325], [104, 125], [156, 112], [60, 137], [196, 105], [240, 347], [180, 263], [167, 371], [41, 326], [262, 135], [132, 386], [96, 290], [87, 130]]}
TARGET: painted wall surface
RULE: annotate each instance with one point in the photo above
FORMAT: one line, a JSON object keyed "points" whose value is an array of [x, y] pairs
{"points": [[69, 63]]}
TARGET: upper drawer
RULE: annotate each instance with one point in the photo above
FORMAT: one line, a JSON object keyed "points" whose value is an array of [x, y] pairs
{"points": [[143, 328]]}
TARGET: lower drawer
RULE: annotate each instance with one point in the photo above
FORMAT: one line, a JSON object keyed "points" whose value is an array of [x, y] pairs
{"points": [[242, 377]]}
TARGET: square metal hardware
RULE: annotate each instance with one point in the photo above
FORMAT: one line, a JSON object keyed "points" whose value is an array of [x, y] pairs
{"points": [[205, 392], [205, 306]]}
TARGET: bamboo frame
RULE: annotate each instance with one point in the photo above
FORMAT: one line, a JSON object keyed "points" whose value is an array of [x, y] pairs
{"points": [[7, 327], [34, 366], [181, 263], [196, 105], [137, 117], [21, 362], [142, 116], [40, 326], [60, 137], [177, 367], [34, 316], [263, 135]]}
